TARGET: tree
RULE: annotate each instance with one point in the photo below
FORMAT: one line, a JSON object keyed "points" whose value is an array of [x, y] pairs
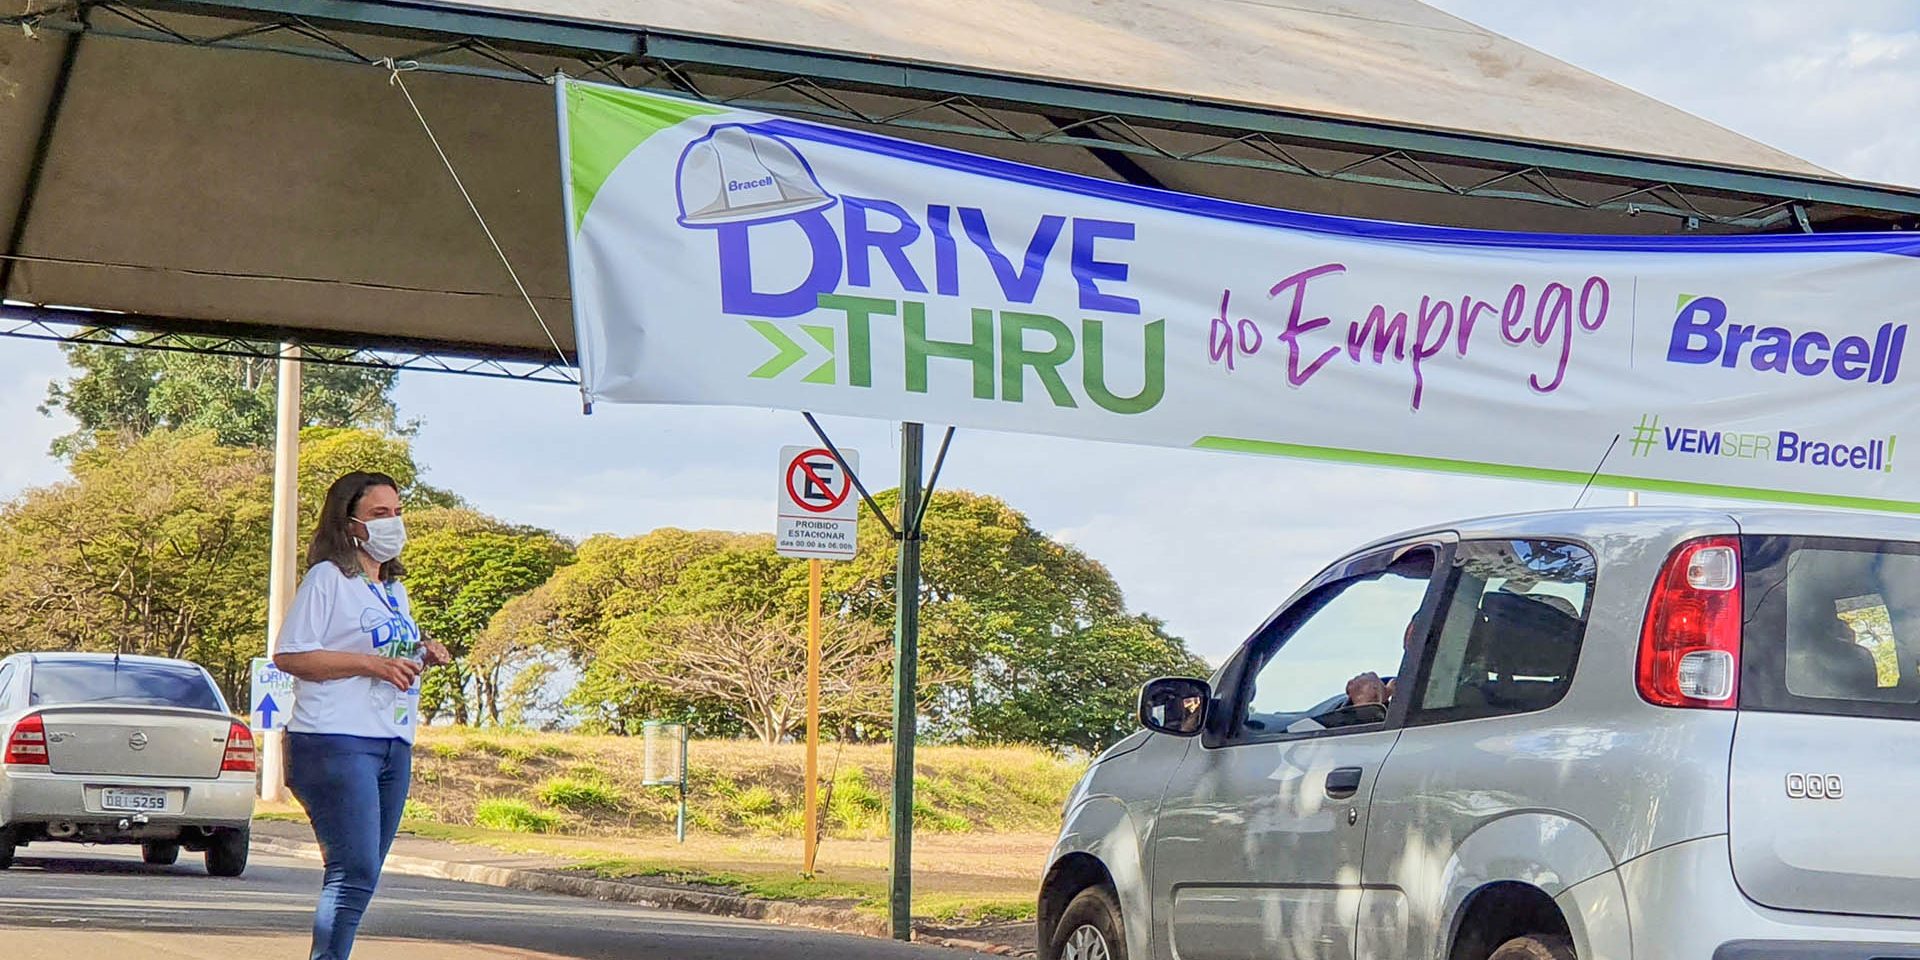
{"points": [[1081, 689], [326, 453], [1037, 629], [528, 694], [1023, 638], [754, 663], [128, 392], [159, 544], [156, 546], [462, 568]]}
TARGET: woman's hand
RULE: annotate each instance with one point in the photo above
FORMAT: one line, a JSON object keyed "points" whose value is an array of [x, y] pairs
{"points": [[400, 673], [437, 654]]}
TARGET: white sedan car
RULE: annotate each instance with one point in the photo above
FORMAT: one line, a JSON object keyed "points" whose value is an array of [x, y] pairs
{"points": [[120, 749]]}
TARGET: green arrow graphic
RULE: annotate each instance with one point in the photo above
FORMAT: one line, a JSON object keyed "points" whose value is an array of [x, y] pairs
{"points": [[791, 352], [824, 337]]}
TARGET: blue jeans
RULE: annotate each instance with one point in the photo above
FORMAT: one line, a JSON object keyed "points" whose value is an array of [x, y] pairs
{"points": [[354, 789]]}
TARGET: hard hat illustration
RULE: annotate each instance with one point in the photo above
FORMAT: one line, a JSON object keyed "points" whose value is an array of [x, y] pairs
{"points": [[735, 174]]}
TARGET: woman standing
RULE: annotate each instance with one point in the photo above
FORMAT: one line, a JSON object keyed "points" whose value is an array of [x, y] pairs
{"points": [[351, 644]]}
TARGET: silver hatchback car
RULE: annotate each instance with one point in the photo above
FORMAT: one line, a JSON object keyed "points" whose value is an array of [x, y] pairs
{"points": [[1599, 734], [106, 749]]}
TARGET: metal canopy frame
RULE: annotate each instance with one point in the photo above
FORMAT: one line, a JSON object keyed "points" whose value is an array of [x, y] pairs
{"points": [[1121, 129], [86, 327]]}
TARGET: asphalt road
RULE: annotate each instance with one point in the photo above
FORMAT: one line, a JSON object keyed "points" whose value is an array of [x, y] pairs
{"points": [[77, 903]]}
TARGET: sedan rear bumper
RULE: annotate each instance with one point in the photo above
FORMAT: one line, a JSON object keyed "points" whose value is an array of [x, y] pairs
{"points": [[33, 799]]}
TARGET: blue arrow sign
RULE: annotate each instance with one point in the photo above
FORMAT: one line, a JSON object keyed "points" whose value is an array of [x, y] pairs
{"points": [[267, 708]]}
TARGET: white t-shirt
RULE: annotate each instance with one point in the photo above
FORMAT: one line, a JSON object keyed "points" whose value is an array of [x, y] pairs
{"points": [[351, 614]]}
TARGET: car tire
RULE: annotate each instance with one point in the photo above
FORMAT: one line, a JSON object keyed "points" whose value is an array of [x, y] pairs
{"points": [[1090, 928], [227, 852], [160, 853], [6, 847], [1535, 948]]}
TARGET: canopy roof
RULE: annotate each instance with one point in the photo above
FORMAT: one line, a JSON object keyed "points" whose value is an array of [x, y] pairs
{"points": [[245, 167]]}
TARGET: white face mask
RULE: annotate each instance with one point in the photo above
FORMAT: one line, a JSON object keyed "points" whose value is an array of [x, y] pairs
{"points": [[386, 537]]}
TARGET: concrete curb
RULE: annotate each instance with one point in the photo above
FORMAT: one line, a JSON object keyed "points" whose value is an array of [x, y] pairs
{"points": [[668, 898]]}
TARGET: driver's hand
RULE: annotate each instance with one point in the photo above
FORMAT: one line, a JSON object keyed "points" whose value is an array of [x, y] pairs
{"points": [[1366, 688]]}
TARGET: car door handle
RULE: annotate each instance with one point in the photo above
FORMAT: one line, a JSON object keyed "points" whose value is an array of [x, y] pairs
{"points": [[1343, 782]]}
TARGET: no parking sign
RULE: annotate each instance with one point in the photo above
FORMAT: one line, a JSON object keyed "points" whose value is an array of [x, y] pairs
{"points": [[819, 515]]}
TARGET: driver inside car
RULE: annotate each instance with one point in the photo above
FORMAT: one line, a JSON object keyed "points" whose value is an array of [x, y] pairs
{"points": [[1368, 687]]}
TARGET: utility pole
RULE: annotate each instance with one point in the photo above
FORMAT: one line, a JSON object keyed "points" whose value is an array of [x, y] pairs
{"points": [[906, 668], [285, 560]]}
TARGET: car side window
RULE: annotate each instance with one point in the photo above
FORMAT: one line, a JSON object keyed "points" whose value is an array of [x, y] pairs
{"points": [[6, 686], [1349, 636], [1509, 630]]}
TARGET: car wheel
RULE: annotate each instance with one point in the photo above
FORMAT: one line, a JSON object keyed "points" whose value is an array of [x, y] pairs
{"points": [[227, 852], [6, 847], [1535, 948], [160, 853], [1090, 928]]}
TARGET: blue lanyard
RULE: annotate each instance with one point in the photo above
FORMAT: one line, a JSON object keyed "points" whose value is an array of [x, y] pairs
{"points": [[386, 596]]}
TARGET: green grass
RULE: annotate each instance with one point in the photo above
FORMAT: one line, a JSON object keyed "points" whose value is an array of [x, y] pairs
{"points": [[415, 810], [867, 897], [519, 751], [514, 816], [580, 796], [778, 884], [739, 788], [448, 749], [962, 909], [756, 801], [855, 807]]}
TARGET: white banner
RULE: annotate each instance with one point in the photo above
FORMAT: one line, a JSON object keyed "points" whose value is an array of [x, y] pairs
{"points": [[728, 257]]}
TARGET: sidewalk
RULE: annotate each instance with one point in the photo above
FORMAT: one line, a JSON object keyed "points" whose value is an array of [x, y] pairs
{"points": [[422, 857]]}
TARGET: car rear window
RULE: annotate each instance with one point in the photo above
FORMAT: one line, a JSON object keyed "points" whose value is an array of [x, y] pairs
{"points": [[1832, 626], [107, 681]]}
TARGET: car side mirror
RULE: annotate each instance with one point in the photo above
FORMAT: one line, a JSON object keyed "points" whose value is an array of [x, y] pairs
{"points": [[1176, 706]]}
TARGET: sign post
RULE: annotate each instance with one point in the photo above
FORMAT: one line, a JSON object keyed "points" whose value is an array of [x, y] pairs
{"points": [[813, 716], [818, 519], [906, 679]]}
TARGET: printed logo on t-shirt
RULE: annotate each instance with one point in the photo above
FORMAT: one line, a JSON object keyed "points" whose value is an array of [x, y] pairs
{"points": [[392, 634], [395, 636]]}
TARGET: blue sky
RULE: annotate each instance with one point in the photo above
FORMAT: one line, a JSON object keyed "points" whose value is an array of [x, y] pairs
{"points": [[1211, 542]]}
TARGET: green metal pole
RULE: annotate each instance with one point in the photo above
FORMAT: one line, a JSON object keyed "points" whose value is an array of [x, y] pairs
{"points": [[906, 667], [680, 822]]}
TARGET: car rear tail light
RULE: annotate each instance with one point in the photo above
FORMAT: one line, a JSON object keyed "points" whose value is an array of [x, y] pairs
{"points": [[240, 754], [1690, 644], [27, 744]]}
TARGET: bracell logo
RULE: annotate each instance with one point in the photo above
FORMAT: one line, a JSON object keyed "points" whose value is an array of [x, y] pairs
{"points": [[1873, 453]]}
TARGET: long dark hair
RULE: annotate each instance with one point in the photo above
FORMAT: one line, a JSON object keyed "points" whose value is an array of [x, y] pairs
{"points": [[333, 538]]}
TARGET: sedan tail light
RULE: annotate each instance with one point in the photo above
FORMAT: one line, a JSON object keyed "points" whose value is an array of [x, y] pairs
{"points": [[240, 753], [1690, 644], [27, 744]]}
